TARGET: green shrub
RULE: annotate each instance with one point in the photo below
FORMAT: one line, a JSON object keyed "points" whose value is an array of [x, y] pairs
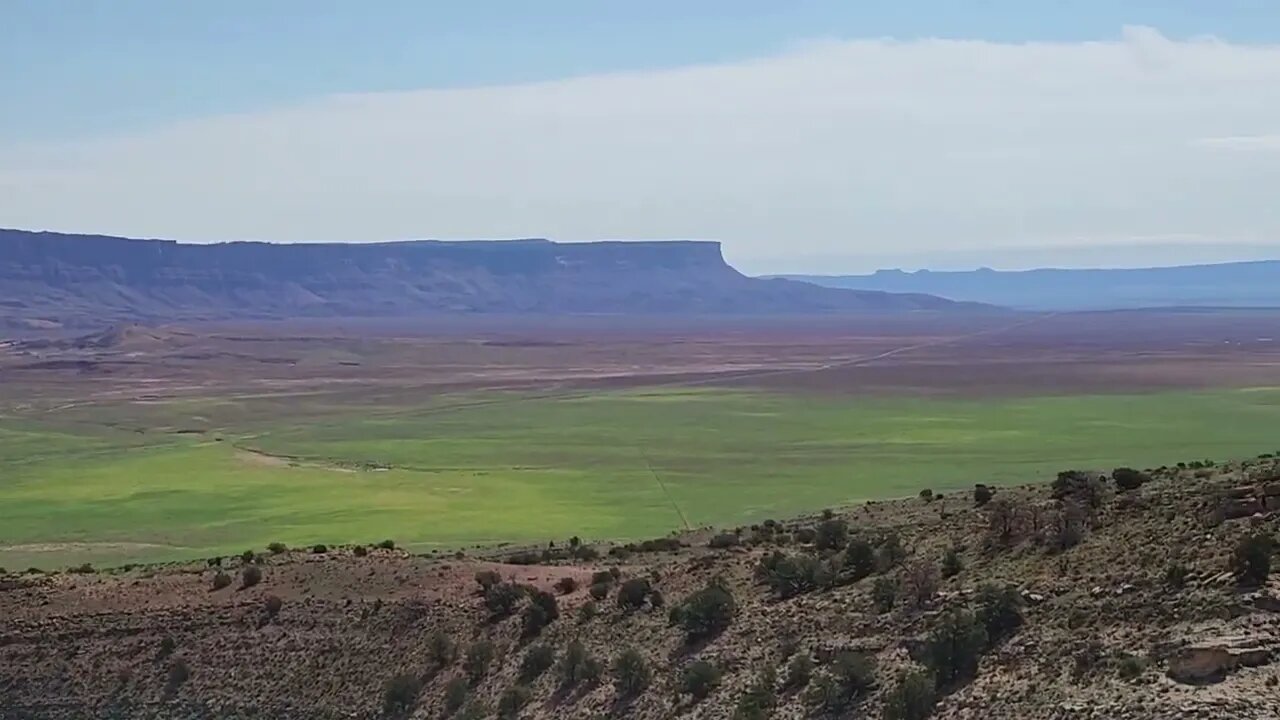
{"points": [[360, 551], [221, 580], [501, 599], [250, 576], [605, 577], [999, 611], [320, 549], [387, 545], [276, 548], [699, 679], [272, 604], [891, 553], [400, 693], [912, 698], [953, 647], [1251, 559], [951, 563], [479, 656], [831, 534], [167, 646], [441, 649], [633, 593], [805, 536], [884, 594], [792, 575], [859, 559], [599, 591], [588, 611], [537, 660], [541, 611], [851, 677], [706, 613], [799, 672], [1175, 575], [631, 674], [512, 701], [982, 494], [455, 695], [1129, 479], [1130, 667], [724, 540], [566, 585], [248, 557], [578, 667], [759, 697]]}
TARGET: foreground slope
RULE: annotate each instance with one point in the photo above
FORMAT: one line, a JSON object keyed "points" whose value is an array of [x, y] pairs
{"points": [[82, 279], [1081, 600]]}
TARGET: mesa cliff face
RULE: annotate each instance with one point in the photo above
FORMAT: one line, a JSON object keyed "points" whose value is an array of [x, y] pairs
{"points": [[73, 278]]}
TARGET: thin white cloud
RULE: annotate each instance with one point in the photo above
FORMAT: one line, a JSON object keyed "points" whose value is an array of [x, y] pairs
{"points": [[1242, 142], [833, 148]]}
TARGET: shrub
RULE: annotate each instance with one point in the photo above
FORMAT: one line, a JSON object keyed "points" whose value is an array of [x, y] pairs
{"points": [[455, 695], [588, 611], [179, 673], [804, 536], [724, 540], [586, 553], [273, 604], [400, 693], [247, 557], [799, 672], [441, 649], [631, 675], [999, 611], [831, 534], [699, 679], [577, 666], [276, 548], [926, 495], [167, 646], [387, 545], [859, 558], [851, 677], [360, 551], [537, 660], [912, 698], [633, 593], [1130, 667], [953, 646], [487, 579], [1251, 559], [884, 594], [1068, 527], [320, 549], [1129, 479], [1082, 487], [891, 552], [951, 563], [706, 613], [479, 656], [221, 580], [791, 575], [605, 577], [1175, 575], [541, 611], [250, 576], [599, 591], [828, 513], [501, 599], [982, 494], [759, 698], [566, 585], [920, 582], [513, 700]]}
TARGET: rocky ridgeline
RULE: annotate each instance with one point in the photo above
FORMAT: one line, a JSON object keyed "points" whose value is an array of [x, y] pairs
{"points": [[1129, 594]]}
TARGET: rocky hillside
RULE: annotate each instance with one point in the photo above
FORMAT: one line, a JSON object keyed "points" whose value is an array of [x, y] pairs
{"points": [[1126, 595], [69, 279]]}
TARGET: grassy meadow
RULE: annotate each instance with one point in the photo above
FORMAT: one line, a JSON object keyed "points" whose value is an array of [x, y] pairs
{"points": [[628, 464]]}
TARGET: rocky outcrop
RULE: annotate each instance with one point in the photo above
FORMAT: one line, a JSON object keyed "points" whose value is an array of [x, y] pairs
{"points": [[51, 276], [1213, 659]]}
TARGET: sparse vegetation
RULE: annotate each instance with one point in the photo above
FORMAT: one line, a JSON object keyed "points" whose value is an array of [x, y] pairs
{"points": [[456, 692], [631, 674], [706, 613], [441, 649], [884, 594], [912, 697], [852, 675], [577, 667], [476, 663], [400, 693], [859, 559], [952, 565], [541, 611], [512, 701], [221, 580], [566, 585], [537, 660], [1251, 559], [759, 699], [501, 599], [953, 647], [999, 611], [700, 678], [831, 534], [250, 576], [799, 672]]}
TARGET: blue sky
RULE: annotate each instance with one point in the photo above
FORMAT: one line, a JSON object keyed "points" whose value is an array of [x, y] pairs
{"points": [[812, 135], [76, 67]]}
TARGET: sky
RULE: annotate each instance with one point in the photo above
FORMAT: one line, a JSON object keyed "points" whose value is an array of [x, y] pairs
{"points": [[807, 136]]}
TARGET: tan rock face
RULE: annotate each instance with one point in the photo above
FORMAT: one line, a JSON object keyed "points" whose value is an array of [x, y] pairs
{"points": [[1212, 660]]}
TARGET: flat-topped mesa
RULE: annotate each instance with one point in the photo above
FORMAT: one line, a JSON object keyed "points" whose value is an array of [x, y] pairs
{"points": [[71, 278]]}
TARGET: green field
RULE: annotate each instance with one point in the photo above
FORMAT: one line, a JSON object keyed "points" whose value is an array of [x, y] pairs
{"points": [[614, 465]]}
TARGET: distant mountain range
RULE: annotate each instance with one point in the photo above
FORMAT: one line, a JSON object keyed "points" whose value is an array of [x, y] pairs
{"points": [[53, 279], [1241, 284]]}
